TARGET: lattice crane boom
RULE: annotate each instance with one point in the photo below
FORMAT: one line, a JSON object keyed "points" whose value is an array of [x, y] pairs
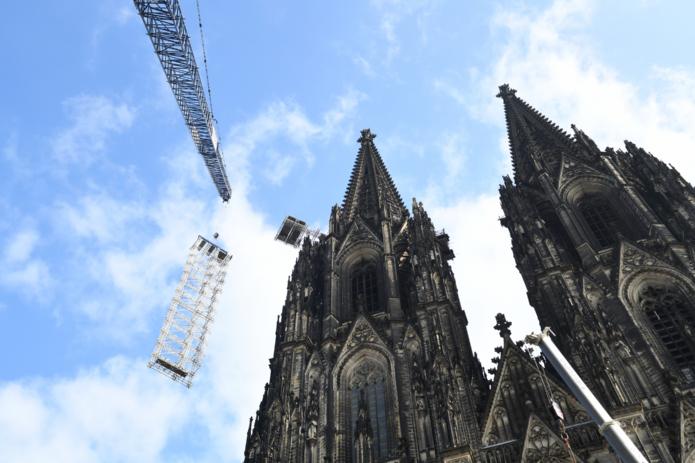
{"points": [[167, 30]]}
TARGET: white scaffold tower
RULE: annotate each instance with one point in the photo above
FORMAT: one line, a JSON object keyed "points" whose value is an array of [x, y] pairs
{"points": [[179, 349]]}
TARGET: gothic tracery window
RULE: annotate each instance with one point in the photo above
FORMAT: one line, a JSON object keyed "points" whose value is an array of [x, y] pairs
{"points": [[365, 296], [368, 384], [601, 218], [672, 319]]}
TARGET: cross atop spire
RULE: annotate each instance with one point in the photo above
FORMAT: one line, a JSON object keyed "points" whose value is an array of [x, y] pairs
{"points": [[371, 192], [536, 143]]}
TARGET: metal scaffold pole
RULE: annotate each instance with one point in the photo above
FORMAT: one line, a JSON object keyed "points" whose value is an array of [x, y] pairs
{"points": [[610, 428]]}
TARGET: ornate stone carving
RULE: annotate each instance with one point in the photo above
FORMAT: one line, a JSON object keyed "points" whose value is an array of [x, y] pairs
{"points": [[687, 429], [365, 373], [362, 333], [541, 445]]}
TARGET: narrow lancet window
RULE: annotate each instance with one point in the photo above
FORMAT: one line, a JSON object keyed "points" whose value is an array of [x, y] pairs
{"points": [[365, 296], [368, 400], [602, 219], [673, 322]]}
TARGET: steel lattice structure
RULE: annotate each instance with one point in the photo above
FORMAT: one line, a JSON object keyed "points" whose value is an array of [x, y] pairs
{"points": [[293, 231], [179, 349], [167, 30]]}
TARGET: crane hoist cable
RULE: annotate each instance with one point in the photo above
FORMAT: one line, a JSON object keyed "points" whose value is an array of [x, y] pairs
{"points": [[205, 58], [555, 410]]}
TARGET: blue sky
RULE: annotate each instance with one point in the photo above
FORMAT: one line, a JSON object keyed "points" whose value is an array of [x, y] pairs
{"points": [[102, 191]]}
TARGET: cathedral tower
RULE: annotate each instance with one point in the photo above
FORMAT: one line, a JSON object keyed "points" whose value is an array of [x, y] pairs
{"points": [[372, 361], [605, 243]]}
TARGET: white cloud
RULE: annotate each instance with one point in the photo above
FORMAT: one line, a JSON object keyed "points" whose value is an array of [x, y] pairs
{"points": [[279, 167], [554, 66], [487, 279], [345, 108], [9, 149], [130, 252], [364, 65], [22, 270], [288, 122], [452, 91], [118, 412], [121, 411], [124, 14], [443, 189], [94, 118], [392, 13], [20, 247], [99, 217]]}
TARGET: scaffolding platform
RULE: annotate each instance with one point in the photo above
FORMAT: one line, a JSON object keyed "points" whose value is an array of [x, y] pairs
{"points": [[179, 350], [293, 231]]}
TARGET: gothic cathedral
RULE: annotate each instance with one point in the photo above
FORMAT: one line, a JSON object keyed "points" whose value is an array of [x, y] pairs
{"points": [[372, 359]]}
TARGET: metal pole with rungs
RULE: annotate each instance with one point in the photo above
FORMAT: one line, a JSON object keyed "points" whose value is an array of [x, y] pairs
{"points": [[610, 428]]}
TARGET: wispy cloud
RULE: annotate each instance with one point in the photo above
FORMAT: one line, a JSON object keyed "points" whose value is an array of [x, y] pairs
{"points": [[450, 90], [93, 119], [393, 12], [23, 271], [115, 412], [554, 65], [385, 49], [286, 121]]}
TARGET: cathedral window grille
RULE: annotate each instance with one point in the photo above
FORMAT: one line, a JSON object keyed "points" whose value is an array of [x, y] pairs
{"points": [[557, 230], [671, 317], [372, 384], [365, 296], [601, 218]]}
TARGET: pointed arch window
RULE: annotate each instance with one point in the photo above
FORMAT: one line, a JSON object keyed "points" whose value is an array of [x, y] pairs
{"points": [[602, 219], [365, 295], [673, 322], [368, 388]]}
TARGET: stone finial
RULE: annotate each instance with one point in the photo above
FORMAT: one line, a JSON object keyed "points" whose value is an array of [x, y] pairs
{"points": [[505, 91], [367, 136], [502, 325]]}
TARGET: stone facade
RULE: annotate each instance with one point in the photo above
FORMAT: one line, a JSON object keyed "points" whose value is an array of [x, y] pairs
{"points": [[604, 241], [372, 359]]}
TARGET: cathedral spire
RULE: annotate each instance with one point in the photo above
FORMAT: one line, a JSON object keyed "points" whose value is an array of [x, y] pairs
{"points": [[536, 143], [371, 191]]}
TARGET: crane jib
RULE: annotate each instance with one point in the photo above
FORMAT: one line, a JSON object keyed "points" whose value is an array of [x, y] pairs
{"points": [[167, 31]]}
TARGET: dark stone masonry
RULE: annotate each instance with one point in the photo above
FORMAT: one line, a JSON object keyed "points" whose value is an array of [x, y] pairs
{"points": [[372, 359]]}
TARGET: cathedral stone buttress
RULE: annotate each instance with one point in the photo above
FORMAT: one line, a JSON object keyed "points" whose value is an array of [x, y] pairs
{"points": [[372, 359], [605, 243]]}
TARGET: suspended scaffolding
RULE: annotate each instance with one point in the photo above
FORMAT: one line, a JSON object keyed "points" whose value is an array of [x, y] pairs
{"points": [[293, 231], [167, 30], [179, 349]]}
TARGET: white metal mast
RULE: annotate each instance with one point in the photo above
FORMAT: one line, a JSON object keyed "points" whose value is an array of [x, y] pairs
{"points": [[610, 428]]}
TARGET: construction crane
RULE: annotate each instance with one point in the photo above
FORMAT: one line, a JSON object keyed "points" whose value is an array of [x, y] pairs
{"points": [[179, 349], [167, 30]]}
